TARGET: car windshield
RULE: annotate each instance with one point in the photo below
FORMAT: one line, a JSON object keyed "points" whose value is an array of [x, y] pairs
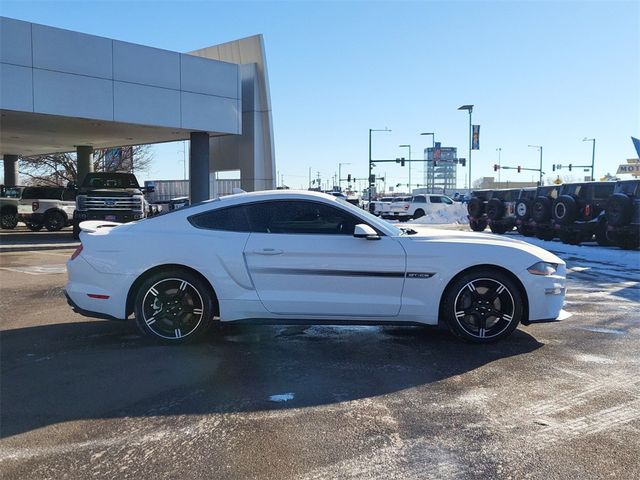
{"points": [[110, 180]]}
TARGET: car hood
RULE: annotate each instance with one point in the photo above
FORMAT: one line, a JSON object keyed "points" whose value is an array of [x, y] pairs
{"points": [[474, 239]]}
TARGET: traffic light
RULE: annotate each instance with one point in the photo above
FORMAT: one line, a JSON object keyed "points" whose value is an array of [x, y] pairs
{"points": [[435, 163], [519, 168], [554, 167], [495, 167], [349, 178], [463, 162], [402, 162], [570, 166]]}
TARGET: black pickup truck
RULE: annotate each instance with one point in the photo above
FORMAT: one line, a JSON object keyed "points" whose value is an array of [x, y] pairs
{"points": [[115, 197]]}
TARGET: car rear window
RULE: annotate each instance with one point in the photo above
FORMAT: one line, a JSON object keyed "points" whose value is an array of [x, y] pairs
{"points": [[628, 188], [42, 193]]}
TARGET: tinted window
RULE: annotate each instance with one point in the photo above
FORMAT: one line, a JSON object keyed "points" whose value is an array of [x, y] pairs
{"points": [[110, 180], [420, 199], [629, 188], [232, 219], [435, 199], [69, 195], [299, 217], [42, 193], [447, 200]]}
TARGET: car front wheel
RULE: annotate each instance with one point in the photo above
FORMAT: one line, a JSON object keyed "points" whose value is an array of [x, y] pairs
{"points": [[483, 307], [174, 306]]}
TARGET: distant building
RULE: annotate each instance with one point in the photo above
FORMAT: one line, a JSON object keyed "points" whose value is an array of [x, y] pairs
{"points": [[440, 174], [490, 183]]}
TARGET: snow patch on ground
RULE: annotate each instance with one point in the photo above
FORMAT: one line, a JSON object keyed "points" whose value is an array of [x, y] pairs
{"points": [[282, 397], [456, 214]]}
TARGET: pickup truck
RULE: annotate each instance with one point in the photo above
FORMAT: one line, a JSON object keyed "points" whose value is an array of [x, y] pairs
{"points": [[380, 206], [417, 206]]}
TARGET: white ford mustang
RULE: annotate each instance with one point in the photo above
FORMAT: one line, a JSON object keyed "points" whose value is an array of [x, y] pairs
{"points": [[289, 257]]}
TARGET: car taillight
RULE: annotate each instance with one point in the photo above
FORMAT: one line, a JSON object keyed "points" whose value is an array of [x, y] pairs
{"points": [[587, 210], [406, 206], [77, 252], [35, 206]]}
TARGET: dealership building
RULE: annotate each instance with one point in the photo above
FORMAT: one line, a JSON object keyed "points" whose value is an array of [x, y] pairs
{"points": [[66, 91]]}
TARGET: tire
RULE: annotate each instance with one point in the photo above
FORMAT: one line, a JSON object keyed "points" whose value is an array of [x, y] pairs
{"points": [[525, 230], [546, 234], [483, 306], [8, 219], [76, 231], [174, 306], [565, 210], [541, 209], [418, 213], [34, 227], [475, 207], [495, 209], [55, 221], [478, 224], [628, 242], [571, 238], [498, 229], [619, 210], [603, 236], [523, 210]]}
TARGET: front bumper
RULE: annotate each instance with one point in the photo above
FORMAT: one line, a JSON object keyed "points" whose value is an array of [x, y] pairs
{"points": [[108, 215], [545, 294]]}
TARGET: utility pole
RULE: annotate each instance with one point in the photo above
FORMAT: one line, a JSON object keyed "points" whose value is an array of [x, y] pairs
{"points": [[469, 108], [593, 156], [499, 150], [370, 183]]}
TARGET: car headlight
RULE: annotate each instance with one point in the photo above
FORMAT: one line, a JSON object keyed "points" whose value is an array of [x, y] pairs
{"points": [[543, 268]]}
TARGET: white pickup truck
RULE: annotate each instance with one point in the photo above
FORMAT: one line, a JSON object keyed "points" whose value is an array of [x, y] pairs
{"points": [[417, 206], [49, 207], [381, 206]]}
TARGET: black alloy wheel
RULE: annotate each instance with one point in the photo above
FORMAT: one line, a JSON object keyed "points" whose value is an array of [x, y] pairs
{"points": [[174, 307], [55, 221], [483, 307], [8, 220]]}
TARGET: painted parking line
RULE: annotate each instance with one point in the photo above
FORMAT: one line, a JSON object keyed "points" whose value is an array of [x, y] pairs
{"points": [[38, 269]]}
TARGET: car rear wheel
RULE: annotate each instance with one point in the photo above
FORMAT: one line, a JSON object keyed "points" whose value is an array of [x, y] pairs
{"points": [[483, 307], [525, 230], [55, 221], [571, 238], [8, 219], [174, 306], [546, 234], [418, 213], [603, 236], [628, 242], [498, 229]]}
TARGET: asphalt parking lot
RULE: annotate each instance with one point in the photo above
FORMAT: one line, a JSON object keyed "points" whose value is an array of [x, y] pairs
{"points": [[83, 397]]}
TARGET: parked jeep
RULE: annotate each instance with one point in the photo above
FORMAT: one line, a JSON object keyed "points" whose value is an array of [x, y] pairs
{"points": [[577, 210], [476, 209], [622, 214], [9, 207], [524, 205], [501, 210], [115, 197], [45, 206], [541, 219]]}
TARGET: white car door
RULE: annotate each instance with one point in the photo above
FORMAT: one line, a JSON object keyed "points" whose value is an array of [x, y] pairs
{"points": [[304, 260]]}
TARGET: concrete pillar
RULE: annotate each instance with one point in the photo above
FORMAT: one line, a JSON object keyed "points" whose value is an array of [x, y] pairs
{"points": [[11, 178], [199, 167], [84, 156]]}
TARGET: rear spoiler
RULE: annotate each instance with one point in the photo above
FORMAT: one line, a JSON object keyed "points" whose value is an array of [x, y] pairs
{"points": [[92, 226]]}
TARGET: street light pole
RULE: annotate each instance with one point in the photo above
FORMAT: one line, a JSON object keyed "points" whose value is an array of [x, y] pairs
{"points": [[409, 147], [469, 108], [433, 173], [539, 147], [593, 156], [369, 182]]}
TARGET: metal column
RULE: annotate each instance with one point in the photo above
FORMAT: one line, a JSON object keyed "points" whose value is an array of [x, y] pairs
{"points": [[199, 167], [11, 177], [84, 156]]}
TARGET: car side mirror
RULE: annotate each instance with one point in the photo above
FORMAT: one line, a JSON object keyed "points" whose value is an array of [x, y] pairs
{"points": [[363, 230], [72, 186]]}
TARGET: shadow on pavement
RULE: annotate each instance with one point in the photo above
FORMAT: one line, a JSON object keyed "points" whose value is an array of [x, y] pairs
{"points": [[97, 370]]}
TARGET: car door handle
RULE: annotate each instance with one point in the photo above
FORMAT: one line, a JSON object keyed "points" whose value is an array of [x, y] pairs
{"points": [[268, 251]]}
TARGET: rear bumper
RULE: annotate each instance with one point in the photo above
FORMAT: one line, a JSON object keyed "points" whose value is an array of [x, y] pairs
{"points": [[87, 313]]}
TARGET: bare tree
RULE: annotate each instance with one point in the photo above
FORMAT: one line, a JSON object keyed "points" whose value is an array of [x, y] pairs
{"points": [[61, 168]]}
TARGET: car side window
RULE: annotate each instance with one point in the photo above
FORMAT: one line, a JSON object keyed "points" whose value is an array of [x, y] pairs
{"points": [[602, 192], [230, 219], [436, 199], [69, 195], [447, 200], [300, 217], [420, 199]]}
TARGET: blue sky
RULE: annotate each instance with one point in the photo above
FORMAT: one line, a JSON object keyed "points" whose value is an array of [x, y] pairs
{"points": [[543, 73]]}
